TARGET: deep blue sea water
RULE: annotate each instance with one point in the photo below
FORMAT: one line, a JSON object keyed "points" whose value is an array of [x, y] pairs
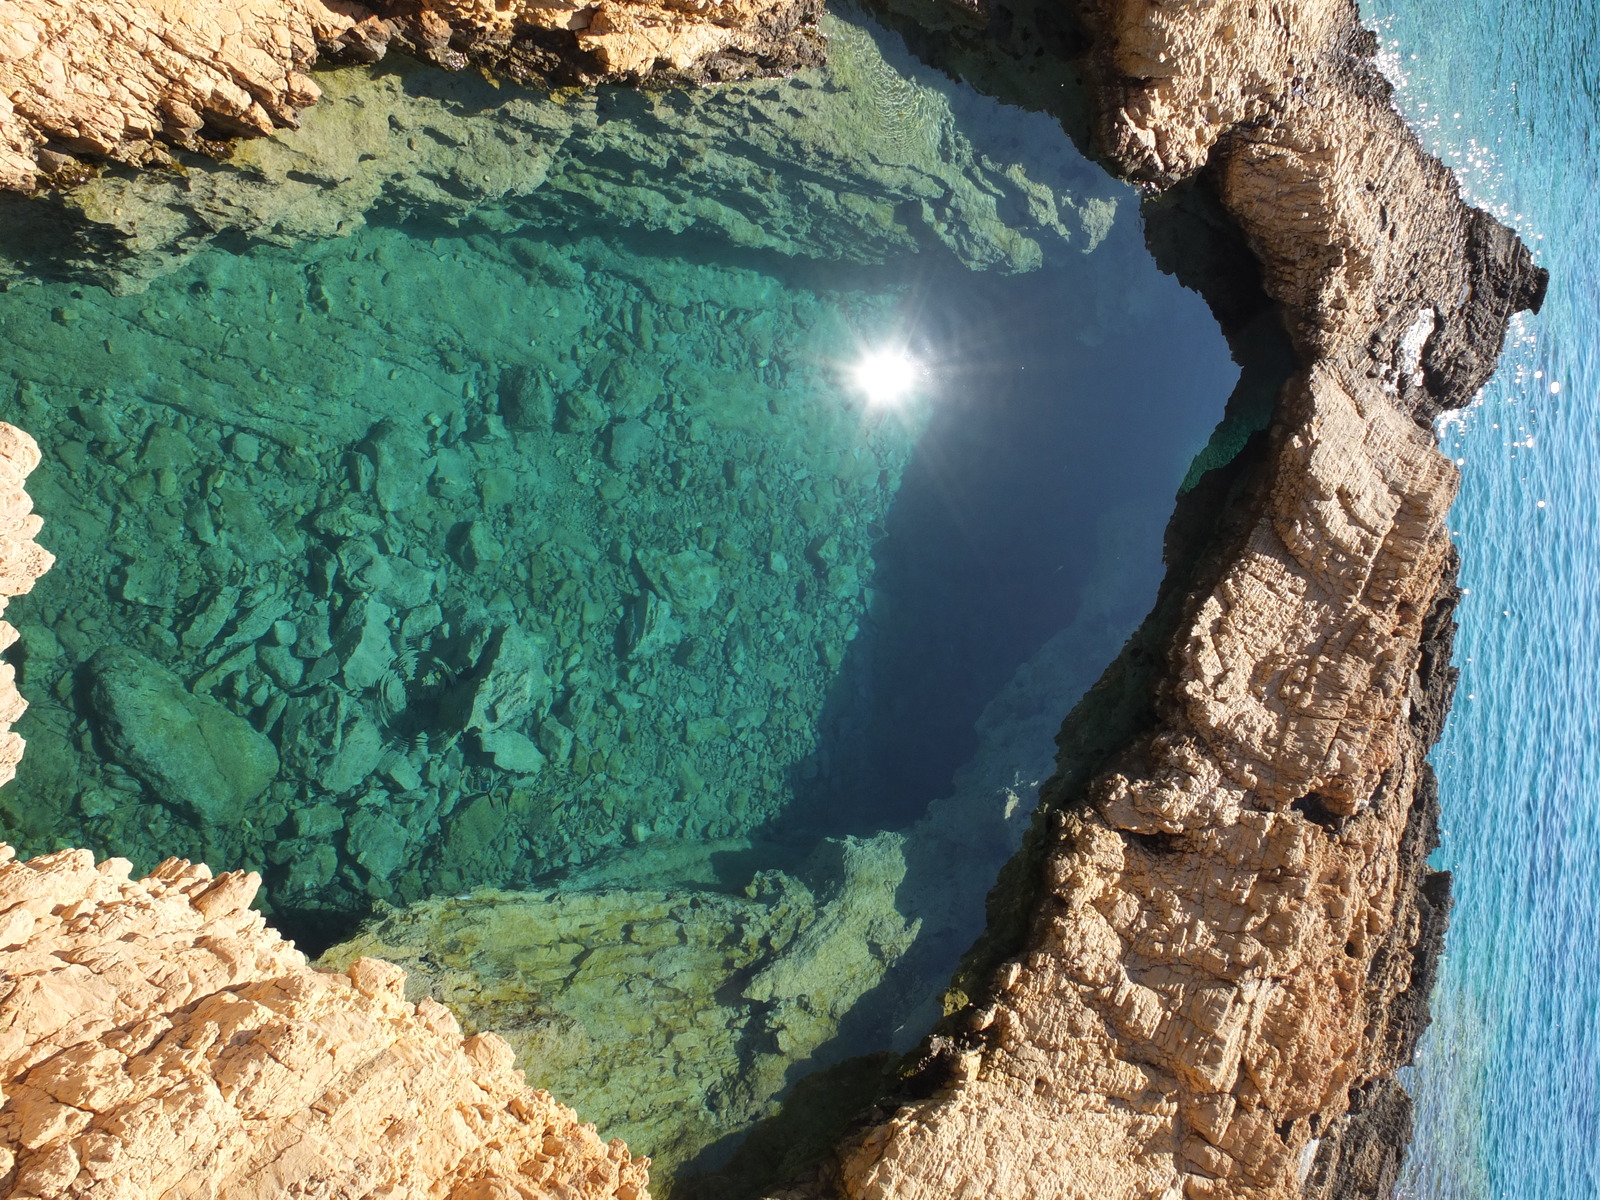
{"points": [[1508, 1079]]}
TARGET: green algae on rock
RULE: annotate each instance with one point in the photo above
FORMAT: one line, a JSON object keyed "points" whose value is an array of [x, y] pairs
{"points": [[869, 156], [670, 1018]]}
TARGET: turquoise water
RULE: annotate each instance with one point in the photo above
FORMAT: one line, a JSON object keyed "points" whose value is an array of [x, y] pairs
{"points": [[475, 490], [1508, 1079]]}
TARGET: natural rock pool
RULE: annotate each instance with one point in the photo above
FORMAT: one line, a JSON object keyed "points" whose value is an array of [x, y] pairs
{"points": [[470, 514]]}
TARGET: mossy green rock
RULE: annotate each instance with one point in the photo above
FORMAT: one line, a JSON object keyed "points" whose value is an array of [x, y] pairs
{"points": [[674, 1017], [189, 749]]}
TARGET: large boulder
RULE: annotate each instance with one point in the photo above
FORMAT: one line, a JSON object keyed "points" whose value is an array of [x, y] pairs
{"points": [[189, 749]]}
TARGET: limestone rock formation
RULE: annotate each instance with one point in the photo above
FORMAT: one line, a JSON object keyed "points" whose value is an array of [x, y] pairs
{"points": [[586, 41], [1231, 948], [156, 1038], [120, 81], [129, 82], [22, 561]]}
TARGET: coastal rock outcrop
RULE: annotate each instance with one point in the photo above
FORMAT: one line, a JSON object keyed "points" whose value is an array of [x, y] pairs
{"points": [[156, 1037], [1231, 945], [22, 560], [127, 82], [132, 82], [1232, 923]]}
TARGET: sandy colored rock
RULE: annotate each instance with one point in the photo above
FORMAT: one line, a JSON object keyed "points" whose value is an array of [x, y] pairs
{"points": [[118, 81], [22, 560], [614, 40], [1232, 949], [129, 82], [154, 1035]]}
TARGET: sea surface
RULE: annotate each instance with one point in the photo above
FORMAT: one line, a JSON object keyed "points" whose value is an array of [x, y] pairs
{"points": [[1507, 1080]]}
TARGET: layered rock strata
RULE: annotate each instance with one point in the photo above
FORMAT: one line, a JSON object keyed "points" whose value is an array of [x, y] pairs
{"points": [[157, 1039], [1231, 945], [131, 82]]}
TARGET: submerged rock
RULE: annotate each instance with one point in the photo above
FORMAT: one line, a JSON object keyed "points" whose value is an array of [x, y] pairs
{"points": [[188, 749], [673, 1018], [863, 159], [504, 686]]}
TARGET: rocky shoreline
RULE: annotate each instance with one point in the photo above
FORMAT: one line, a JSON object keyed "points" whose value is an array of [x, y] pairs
{"points": [[1214, 953], [1232, 934]]}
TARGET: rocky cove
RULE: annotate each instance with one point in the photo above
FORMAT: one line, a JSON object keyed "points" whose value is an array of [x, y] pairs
{"points": [[1212, 953]]}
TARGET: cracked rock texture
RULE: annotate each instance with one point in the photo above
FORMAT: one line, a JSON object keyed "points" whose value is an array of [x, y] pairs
{"points": [[22, 561], [117, 81], [1232, 944], [156, 1039], [130, 80]]}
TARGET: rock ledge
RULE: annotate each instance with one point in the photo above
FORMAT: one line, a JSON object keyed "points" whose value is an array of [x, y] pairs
{"points": [[156, 1038]]}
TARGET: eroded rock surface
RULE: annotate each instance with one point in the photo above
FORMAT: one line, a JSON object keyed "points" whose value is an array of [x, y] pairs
{"points": [[129, 82], [22, 561], [122, 81], [1232, 948], [157, 1039]]}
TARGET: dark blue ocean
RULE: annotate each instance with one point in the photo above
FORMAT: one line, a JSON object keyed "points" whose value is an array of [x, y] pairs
{"points": [[1508, 1079]]}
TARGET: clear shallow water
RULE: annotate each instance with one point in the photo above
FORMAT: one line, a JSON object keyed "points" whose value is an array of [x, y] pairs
{"points": [[493, 509], [1508, 1079]]}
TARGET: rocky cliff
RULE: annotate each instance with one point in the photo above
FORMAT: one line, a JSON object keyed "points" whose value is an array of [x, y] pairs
{"points": [[1233, 924], [21, 562], [157, 1039]]}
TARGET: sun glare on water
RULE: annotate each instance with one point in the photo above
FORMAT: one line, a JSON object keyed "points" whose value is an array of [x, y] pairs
{"points": [[886, 377]]}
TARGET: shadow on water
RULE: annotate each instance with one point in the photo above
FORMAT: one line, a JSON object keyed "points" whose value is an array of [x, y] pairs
{"points": [[981, 569], [1056, 442]]}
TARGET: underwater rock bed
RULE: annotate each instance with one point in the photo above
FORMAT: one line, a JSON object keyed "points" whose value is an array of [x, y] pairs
{"points": [[487, 549], [514, 598]]}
